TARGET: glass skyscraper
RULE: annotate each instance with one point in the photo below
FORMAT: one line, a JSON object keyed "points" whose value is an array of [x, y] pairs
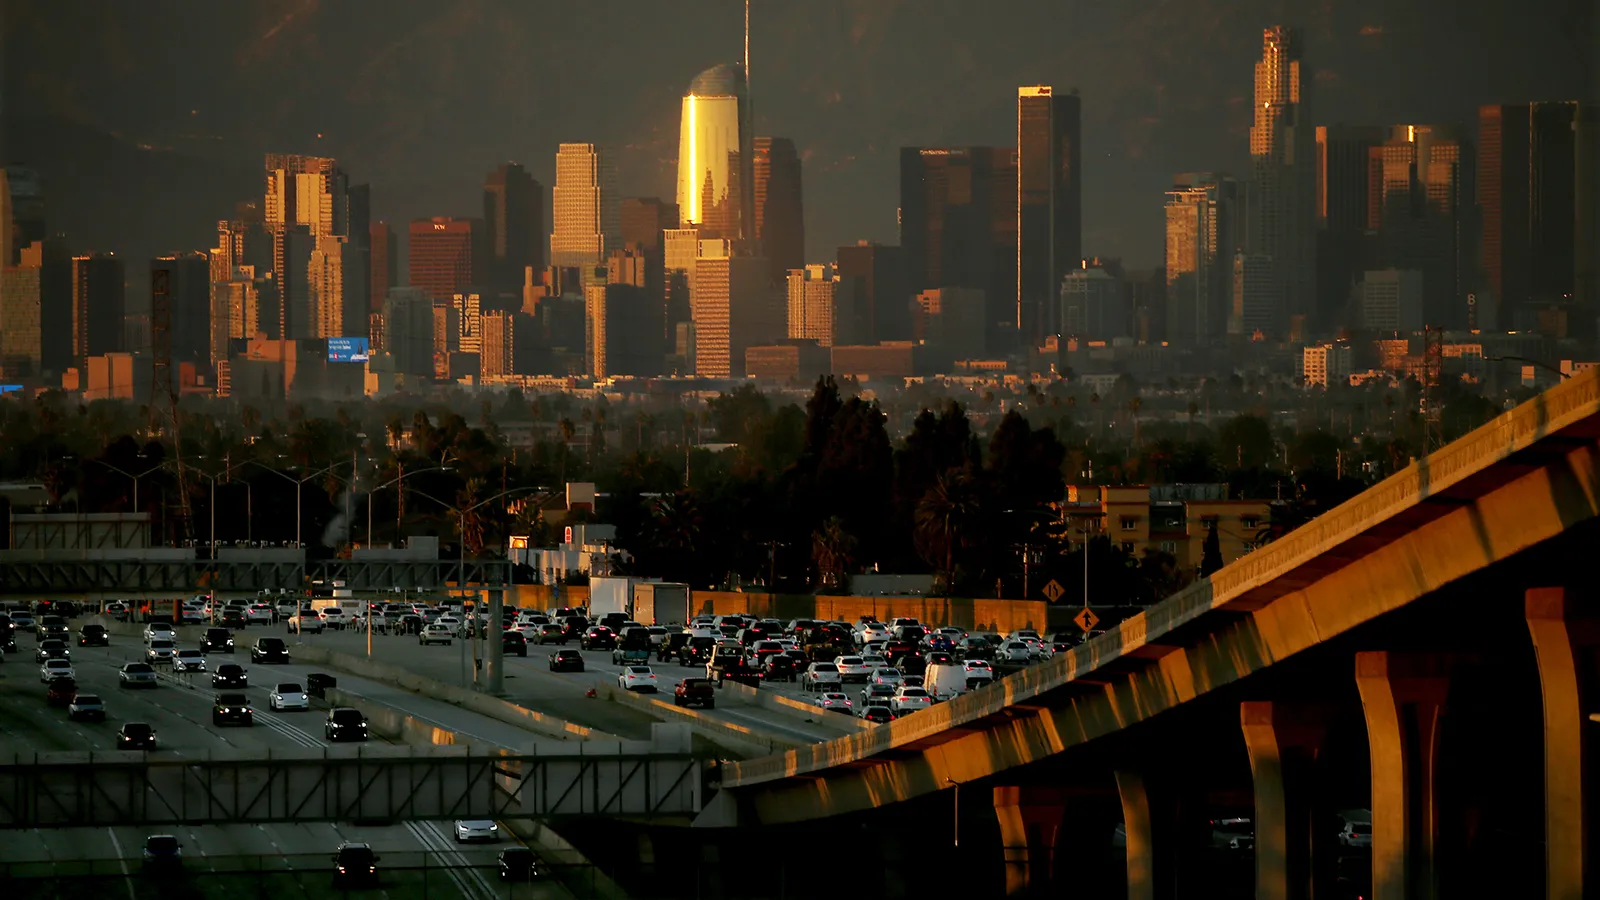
{"points": [[716, 156]]}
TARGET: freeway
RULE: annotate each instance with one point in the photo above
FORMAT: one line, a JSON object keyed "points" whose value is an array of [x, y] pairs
{"points": [[420, 858]]}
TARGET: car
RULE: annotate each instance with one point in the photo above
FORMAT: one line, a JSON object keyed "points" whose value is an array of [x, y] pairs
{"points": [[288, 695], [513, 642], [345, 723], [598, 637], [697, 650], [1014, 652], [158, 631], [355, 865], [778, 667], [86, 708], [269, 650], [234, 618], [286, 608], [436, 634], [136, 736], [879, 713], [658, 635], [695, 692], [871, 631], [872, 692], [230, 675], [835, 701], [1356, 834], [334, 617], [260, 614], [637, 678], [566, 661], [61, 692], [550, 633], [873, 660], [820, 676], [162, 851], [51, 649], [159, 651], [852, 668], [232, 708], [116, 609], [56, 668], [476, 830], [53, 627], [136, 674], [518, 864], [92, 635], [191, 615], [909, 700], [217, 640], [886, 675], [188, 661]]}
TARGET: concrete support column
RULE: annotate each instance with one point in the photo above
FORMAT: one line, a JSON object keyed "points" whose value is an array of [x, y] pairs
{"points": [[1566, 633], [1402, 697], [1029, 819], [1147, 825], [1283, 741]]}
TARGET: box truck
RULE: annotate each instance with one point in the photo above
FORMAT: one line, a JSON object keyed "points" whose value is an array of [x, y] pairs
{"points": [[610, 594], [661, 603]]}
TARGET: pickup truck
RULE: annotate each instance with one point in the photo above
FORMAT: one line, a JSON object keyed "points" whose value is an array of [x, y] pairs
{"points": [[729, 664], [694, 692], [636, 656]]}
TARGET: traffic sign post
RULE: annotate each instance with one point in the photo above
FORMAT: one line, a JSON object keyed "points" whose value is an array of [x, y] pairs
{"points": [[1053, 591], [1086, 619]]}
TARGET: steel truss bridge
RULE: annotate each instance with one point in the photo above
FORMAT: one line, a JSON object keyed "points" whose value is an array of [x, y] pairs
{"points": [[132, 572], [340, 785]]}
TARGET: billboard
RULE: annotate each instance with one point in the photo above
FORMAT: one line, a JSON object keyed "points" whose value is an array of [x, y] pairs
{"points": [[347, 349]]}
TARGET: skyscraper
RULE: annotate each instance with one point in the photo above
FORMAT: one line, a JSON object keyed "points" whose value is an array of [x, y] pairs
{"points": [[1341, 193], [513, 213], [731, 309], [587, 208], [680, 247], [1419, 194], [22, 314], [1202, 229], [824, 308], [1049, 205], [385, 263], [25, 199], [958, 224], [310, 209], [1283, 162], [716, 152], [97, 306], [877, 273], [189, 287], [408, 317], [1536, 187], [779, 207], [643, 221], [447, 255]]}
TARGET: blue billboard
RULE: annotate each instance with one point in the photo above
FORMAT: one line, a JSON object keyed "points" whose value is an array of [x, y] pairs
{"points": [[347, 349]]}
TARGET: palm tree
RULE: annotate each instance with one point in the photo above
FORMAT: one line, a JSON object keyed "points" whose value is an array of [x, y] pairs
{"points": [[832, 549], [946, 518]]}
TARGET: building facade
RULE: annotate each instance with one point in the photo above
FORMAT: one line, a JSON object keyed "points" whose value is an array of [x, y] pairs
{"points": [[1092, 305], [716, 157], [447, 255], [513, 218], [587, 208], [822, 307], [1201, 240], [779, 206], [1049, 204], [1393, 301], [1420, 197], [1283, 177]]}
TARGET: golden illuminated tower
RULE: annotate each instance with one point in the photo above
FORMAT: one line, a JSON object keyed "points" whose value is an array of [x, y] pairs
{"points": [[716, 153]]}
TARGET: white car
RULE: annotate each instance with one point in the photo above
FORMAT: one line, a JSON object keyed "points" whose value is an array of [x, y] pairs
{"points": [[1015, 651], [874, 660], [302, 623], [820, 676], [836, 701], [333, 617], [872, 631], [476, 830], [437, 633], [885, 675], [287, 608], [56, 668], [455, 625], [288, 695], [259, 614], [852, 668], [909, 700], [658, 635], [978, 668], [160, 651], [637, 678], [158, 630], [188, 661]]}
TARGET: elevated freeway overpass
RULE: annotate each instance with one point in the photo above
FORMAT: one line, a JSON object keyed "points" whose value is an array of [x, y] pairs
{"points": [[1463, 582]]}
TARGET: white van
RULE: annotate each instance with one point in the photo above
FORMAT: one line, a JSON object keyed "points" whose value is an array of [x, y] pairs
{"points": [[945, 682]]}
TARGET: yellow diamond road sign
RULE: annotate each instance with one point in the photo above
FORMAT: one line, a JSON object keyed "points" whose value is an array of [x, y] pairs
{"points": [[1053, 591], [1087, 619]]}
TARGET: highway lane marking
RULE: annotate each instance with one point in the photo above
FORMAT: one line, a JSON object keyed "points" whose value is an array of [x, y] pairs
{"points": [[430, 838], [127, 878]]}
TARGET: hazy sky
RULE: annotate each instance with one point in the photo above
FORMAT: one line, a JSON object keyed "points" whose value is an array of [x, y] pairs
{"points": [[422, 97]]}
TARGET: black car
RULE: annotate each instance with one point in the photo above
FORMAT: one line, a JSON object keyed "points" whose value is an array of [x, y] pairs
{"points": [[566, 661], [574, 626], [230, 675], [162, 851], [234, 619], [232, 708], [136, 736], [513, 642], [60, 692], [93, 636], [53, 627], [518, 864], [697, 651], [550, 633], [879, 714], [355, 864], [598, 637], [779, 667], [345, 723], [217, 640], [51, 649], [269, 650]]}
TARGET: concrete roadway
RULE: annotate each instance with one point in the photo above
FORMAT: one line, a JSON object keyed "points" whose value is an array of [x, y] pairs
{"points": [[530, 683], [293, 857]]}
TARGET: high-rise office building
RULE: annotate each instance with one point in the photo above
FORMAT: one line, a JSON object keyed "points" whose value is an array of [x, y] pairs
{"points": [[8, 256], [1202, 238], [716, 156], [1419, 200], [949, 322], [22, 314], [732, 309], [408, 315], [958, 225], [189, 293], [385, 263], [779, 206], [25, 222], [1049, 204], [513, 213], [468, 317], [1092, 305], [877, 273], [1343, 248], [310, 209], [680, 247], [825, 308], [1537, 195], [587, 208], [643, 221], [622, 331], [1283, 185], [447, 255], [1256, 311], [1392, 301], [98, 283]]}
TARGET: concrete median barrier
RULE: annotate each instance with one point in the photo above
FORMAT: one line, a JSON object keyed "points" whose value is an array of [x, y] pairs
{"points": [[392, 724], [795, 709], [735, 738]]}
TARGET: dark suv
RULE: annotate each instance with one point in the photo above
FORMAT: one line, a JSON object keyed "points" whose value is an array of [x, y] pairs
{"points": [[93, 636], [598, 637], [695, 692], [269, 650], [345, 723], [230, 675], [217, 640], [513, 642], [232, 708], [53, 627], [354, 864], [566, 661]]}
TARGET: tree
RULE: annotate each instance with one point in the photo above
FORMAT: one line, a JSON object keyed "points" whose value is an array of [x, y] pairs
{"points": [[832, 549], [1245, 442], [1211, 554], [947, 518]]}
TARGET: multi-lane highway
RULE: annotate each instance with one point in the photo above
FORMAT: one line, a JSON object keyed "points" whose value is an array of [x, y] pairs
{"points": [[419, 859]]}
